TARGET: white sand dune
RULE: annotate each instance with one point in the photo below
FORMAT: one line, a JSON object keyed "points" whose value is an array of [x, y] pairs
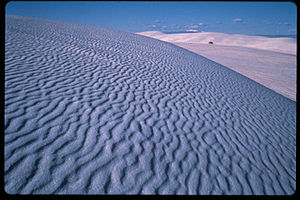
{"points": [[268, 61], [280, 44], [96, 111], [274, 70]]}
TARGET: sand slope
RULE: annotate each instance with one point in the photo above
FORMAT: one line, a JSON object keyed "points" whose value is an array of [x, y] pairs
{"points": [[96, 111], [274, 70], [268, 61]]}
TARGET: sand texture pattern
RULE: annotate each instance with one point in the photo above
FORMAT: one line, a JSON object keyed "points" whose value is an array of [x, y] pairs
{"points": [[96, 111]]}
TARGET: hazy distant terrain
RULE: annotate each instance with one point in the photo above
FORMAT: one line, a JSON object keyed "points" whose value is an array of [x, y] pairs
{"points": [[91, 110]]}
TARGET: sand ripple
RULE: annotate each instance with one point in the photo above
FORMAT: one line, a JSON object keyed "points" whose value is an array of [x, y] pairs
{"points": [[96, 111]]}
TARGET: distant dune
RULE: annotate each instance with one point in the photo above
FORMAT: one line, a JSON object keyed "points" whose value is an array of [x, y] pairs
{"points": [[90, 110], [268, 61], [280, 44]]}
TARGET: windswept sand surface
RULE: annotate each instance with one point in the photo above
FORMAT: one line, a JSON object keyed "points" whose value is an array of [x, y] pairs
{"points": [[268, 61], [96, 111], [274, 70]]}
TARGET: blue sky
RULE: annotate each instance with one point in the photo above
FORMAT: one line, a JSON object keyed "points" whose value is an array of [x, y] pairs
{"points": [[252, 18]]}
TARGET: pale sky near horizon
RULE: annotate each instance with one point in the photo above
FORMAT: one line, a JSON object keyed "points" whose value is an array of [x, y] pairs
{"points": [[251, 18]]}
